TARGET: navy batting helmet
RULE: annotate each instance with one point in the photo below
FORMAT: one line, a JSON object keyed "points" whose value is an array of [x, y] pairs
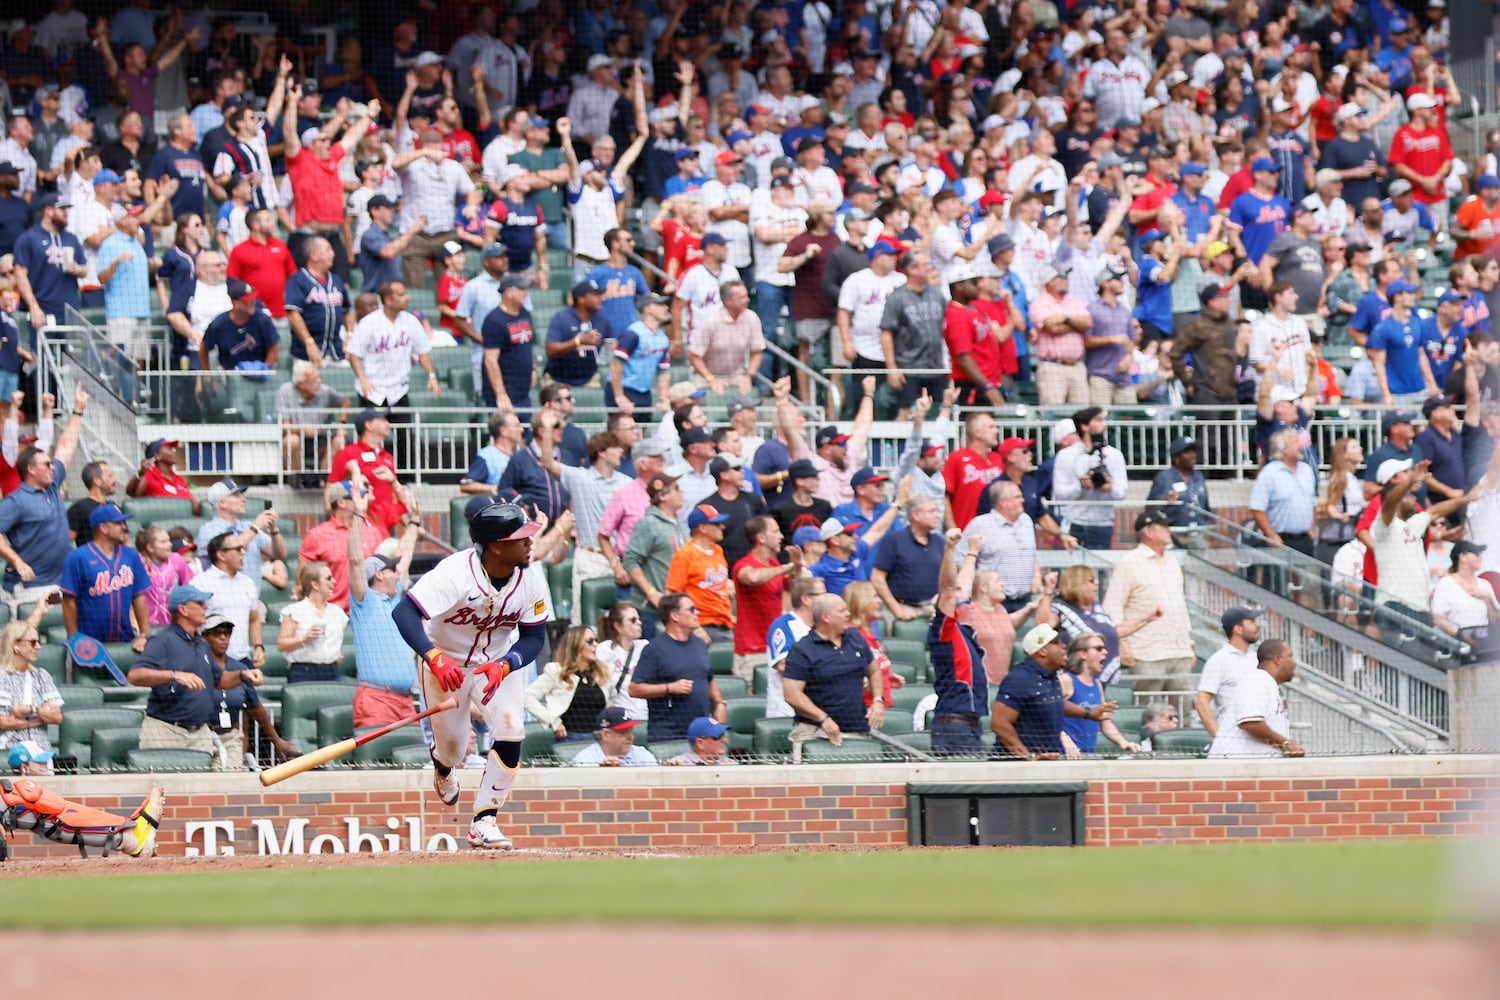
{"points": [[501, 522]]}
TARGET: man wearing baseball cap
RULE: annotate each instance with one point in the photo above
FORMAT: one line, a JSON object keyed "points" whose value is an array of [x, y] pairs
{"points": [[52, 260], [850, 556], [1027, 716], [1354, 156], [708, 743], [158, 477], [699, 570], [574, 335], [615, 746], [869, 501], [1420, 154], [1061, 323], [861, 308], [1395, 349], [1476, 224], [1232, 663], [698, 292], [972, 332], [104, 584], [1147, 583], [1441, 441], [727, 199], [800, 507], [184, 678], [1257, 216]]}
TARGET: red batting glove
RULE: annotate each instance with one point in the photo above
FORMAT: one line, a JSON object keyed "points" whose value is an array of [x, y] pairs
{"points": [[450, 676], [494, 673]]}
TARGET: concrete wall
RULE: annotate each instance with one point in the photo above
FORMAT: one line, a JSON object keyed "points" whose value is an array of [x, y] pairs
{"points": [[1128, 802]]}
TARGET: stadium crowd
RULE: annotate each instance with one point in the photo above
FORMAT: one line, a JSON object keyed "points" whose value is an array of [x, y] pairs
{"points": [[1080, 206]]}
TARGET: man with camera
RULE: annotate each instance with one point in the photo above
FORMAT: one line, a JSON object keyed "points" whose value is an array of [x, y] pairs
{"points": [[1088, 478]]}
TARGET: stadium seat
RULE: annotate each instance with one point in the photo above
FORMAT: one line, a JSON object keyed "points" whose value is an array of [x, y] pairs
{"points": [[76, 696], [275, 665], [169, 761], [1182, 742], [897, 722], [381, 751], [565, 752], [335, 722], [131, 697], [906, 672], [907, 652], [914, 629], [299, 709], [560, 580], [742, 715], [762, 681], [537, 743], [76, 734], [773, 738], [850, 751], [732, 687], [112, 744], [919, 741], [596, 597], [905, 698], [721, 658], [1121, 691], [1127, 719], [410, 755], [53, 658], [667, 749], [158, 510], [458, 528]]}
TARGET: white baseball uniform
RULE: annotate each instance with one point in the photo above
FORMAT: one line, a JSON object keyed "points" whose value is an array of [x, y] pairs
{"points": [[475, 622]]}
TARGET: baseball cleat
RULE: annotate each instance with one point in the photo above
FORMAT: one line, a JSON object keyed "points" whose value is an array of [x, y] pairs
{"points": [[484, 833], [140, 839], [446, 786]]}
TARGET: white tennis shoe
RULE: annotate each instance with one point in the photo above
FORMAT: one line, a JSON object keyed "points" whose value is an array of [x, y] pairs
{"points": [[446, 786], [484, 833]]}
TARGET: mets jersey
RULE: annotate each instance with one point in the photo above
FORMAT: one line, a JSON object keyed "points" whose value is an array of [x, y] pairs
{"points": [[468, 618]]}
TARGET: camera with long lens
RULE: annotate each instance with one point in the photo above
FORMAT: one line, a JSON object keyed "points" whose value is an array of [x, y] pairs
{"points": [[1097, 476]]}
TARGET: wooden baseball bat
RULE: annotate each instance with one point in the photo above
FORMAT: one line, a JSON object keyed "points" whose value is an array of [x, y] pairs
{"points": [[323, 755]]}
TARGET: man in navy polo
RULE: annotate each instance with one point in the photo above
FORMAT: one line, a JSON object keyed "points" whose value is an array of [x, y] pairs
{"points": [[958, 674], [184, 679], [674, 673], [908, 564], [574, 336], [34, 537], [1027, 717], [825, 680]]}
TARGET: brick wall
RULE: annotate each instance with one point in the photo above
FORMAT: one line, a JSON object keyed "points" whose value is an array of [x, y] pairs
{"points": [[1128, 802]]}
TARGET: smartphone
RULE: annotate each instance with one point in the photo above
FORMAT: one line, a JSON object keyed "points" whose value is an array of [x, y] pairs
{"points": [[55, 597], [270, 505]]}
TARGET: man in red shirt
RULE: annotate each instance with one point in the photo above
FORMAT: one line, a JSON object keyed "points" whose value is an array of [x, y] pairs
{"points": [[375, 464], [1420, 153], [329, 541], [973, 341], [312, 166], [759, 581], [457, 140], [971, 469], [263, 262], [1144, 208], [158, 474]]}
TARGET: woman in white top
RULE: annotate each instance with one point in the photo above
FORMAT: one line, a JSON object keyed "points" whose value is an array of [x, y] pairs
{"points": [[29, 700], [573, 689], [1463, 600], [312, 630], [621, 648]]}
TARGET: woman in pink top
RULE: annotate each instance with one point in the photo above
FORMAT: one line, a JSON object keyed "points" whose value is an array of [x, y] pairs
{"points": [[167, 567], [994, 627]]}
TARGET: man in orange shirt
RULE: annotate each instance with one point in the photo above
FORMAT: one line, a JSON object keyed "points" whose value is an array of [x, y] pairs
{"points": [[1476, 224], [699, 570]]}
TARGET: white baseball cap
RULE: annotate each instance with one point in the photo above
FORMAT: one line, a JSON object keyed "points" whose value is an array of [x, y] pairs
{"points": [[1038, 637], [1391, 468], [959, 271], [1061, 429], [1419, 102], [1348, 111]]}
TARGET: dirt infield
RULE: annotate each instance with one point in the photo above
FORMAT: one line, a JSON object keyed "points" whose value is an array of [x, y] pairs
{"points": [[666, 962]]}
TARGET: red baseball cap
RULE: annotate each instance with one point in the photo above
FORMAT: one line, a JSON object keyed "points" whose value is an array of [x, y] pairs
{"points": [[1012, 444], [726, 158], [991, 198]]}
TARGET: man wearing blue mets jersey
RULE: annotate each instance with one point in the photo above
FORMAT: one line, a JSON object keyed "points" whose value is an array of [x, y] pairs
{"points": [[477, 619], [104, 584]]}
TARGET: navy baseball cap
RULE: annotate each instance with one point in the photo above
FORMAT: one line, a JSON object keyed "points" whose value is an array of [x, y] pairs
{"points": [[831, 435], [588, 286], [491, 250], [1236, 615], [713, 239], [999, 244], [867, 475], [107, 513], [685, 153], [695, 435], [158, 445], [615, 718], [802, 469]]}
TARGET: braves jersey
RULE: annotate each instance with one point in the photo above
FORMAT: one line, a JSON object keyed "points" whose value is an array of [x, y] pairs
{"points": [[104, 587], [471, 620], [322, 305]]}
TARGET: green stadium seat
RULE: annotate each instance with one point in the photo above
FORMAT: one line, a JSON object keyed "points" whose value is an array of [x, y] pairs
{"points": [[1182, 742], [850, 751], [411, 755], [908, 653], [743, 713], [919, 741], [450, 359], [169, 761], [1127, 720], [158, 510], [275, 665], [560, 580], [721, 658], [537, 743], [597, 596], [1121, 691], [905, 671], [914, 629], [762, 681], [458, 528], [131, 697], [905, 699], [381, 751], [300, 704], [668, 749], [112, 744], [340, 380], [565, 752], [773, 738], [76, 696], [732, 687], [53, 658], [76, 734], [335, 722]]}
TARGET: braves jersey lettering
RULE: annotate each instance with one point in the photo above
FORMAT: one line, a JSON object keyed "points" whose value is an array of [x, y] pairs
{"points": [[472, 620]]}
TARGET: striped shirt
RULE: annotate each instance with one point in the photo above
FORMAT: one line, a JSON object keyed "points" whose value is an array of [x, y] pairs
{"points": [[1009, 550], [26, 687], [385, 348], [725, 343]]}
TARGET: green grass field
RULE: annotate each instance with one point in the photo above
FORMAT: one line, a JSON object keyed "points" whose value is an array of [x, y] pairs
{"points": [[1361, 885]]}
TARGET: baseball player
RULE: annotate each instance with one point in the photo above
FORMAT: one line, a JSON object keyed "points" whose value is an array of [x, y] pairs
{"points": [[477, 619]]}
